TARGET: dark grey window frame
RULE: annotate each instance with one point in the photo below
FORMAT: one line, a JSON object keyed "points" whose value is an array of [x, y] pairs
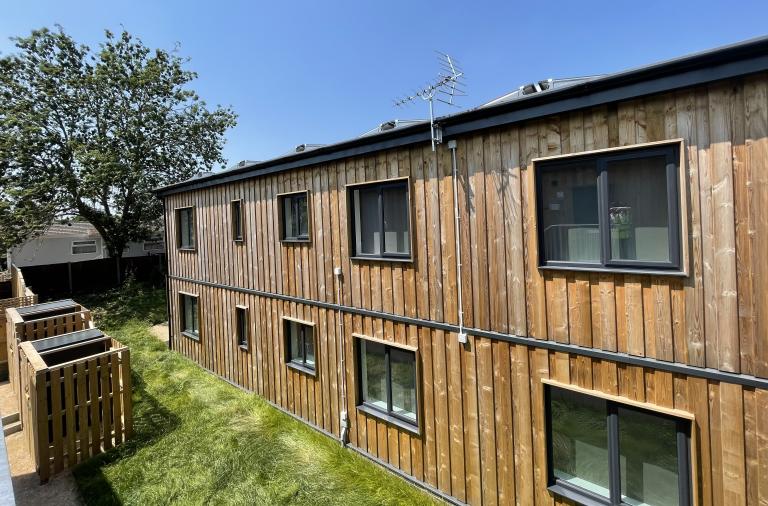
{"points": [[295, 198], [179, 239], [183, 313], [238, 225], [300, 366], [389, 415], [601, 160], [242, 328], [589, 498], [381, 186]]}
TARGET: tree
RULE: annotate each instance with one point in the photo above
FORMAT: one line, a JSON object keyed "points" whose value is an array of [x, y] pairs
{"points": [[92, 133]]}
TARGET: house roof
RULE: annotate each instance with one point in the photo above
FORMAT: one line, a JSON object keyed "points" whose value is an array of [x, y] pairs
{"points": [[721, 63], [77, 229]]}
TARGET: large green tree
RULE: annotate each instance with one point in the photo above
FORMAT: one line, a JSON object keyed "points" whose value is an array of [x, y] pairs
{"points": [[91, 133]]}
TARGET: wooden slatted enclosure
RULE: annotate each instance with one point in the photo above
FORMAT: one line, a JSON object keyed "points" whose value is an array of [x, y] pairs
{"points": [[77, 398], [694, 340], [13, 293]]}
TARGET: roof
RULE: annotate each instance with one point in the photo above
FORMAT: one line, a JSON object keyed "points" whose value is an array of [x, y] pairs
{"points": [[51, 343], [46, 307], [716, 64], [72, 229]]}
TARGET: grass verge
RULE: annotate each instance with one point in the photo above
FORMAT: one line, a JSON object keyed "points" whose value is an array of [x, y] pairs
{"points": [[199, 440]]}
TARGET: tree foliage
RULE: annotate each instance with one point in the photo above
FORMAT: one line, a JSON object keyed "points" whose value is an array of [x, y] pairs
{"points": [[92, 133]]}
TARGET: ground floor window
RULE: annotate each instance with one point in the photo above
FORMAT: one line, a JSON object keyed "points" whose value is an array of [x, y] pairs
{"points": [[190, 316], [387, 380], [605, 452], [241, 326], [300, 345]]}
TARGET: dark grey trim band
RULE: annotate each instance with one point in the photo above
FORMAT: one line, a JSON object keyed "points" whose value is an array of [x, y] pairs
{"points": [[622, 358]]}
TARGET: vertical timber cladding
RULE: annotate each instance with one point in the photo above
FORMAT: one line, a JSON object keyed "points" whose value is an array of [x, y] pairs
{"points": [[482, 438]]}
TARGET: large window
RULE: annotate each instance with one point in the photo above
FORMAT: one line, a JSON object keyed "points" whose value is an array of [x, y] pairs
{"points": [[615, 210], [294, 217], [300, 345], [380, 220], [83, 247], [605, 452], [241, 326], [387, 382], [237, 220], [185, 228], [190, 316]]}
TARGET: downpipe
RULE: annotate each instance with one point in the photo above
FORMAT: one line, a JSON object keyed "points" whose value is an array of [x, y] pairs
{"points": [[344, 419], [457, 233]]}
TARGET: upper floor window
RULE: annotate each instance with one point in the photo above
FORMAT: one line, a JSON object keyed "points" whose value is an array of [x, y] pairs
{"points": [[294, 217], [237, 220], [616, 210], [190, 315], [241, 326], [604, 452], [185, 228], [380, 220], [83, 247], [300, 345]]}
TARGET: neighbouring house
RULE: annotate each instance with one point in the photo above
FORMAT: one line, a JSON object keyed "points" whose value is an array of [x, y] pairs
{"points": [[74, 242], [565, 302]]}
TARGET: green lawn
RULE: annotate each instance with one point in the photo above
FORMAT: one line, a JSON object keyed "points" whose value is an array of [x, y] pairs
{"points": [[199, 440]]}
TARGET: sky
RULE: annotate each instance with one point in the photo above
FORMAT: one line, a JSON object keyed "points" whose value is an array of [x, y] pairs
{"points": [[321, 72]]}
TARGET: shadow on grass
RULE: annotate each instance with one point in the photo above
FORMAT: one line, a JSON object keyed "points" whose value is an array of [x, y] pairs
{"points": [[151, 422]]}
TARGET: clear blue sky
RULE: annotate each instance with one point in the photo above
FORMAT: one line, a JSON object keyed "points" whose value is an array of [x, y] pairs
{"points": [[320, 72]]}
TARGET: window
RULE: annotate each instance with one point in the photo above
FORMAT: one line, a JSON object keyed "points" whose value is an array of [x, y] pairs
{"points": [[156, 245], [185, 226], [83, 247], [237, 220], [241, 326], [381, 223], [615, 210], [295, 217], [300, 346], [604, 452], [387, 382], [190, 316]]}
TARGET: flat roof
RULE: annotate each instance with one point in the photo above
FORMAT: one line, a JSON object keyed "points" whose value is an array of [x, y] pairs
{"points": [[46, 307], [81, 336], [725, 62]]}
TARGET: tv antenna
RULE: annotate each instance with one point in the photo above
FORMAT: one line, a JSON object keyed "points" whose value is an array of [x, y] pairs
{"points": [[444, 88]]}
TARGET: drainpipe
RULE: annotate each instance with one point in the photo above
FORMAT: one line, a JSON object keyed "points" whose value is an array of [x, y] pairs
{"points": [[452, 146], [344, 419], [167, 280]]}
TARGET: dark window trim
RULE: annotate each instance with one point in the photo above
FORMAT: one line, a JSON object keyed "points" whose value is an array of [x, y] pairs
{"points": [[387, 415], [300, 366], [382, 184], [243, 342], [300, 239], [583, 496], [238, 238], [195, 336], [672, 150], [177, 219]]}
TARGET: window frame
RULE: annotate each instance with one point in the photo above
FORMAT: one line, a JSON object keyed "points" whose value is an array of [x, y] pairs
{"points": [[299, 239], [242, 341], [80, 242], [177, 221], [685, 438], [677, 216], [182, 315], [382, 184], [237, 237], [389, 415], [300, 366]]}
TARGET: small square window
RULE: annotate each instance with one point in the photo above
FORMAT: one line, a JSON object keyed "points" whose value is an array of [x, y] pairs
{"points": [[83, 247], [185, 228], [237, 220], [190, 316], [380, 220], [241, 326], [300, 346], [294, 217]]}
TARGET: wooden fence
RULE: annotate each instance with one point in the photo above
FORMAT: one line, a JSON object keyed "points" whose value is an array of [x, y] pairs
{"points": [[21, 296], [76, 409]]}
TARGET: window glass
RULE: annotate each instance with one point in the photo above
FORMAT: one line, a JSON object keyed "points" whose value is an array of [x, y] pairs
{"points": [[569, 213], [580, 440], [303, 219], [186, 228], [81, 247], [648, 458], [396, 236], [637, 207], [242, 326], [288, 222], [237, 221], [309, 346], [403, 367], [367, 221], [295, 344], [374, 373], [190, 315]]}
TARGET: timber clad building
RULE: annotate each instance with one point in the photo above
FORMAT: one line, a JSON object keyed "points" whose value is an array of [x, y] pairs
{"points": [[602, 248]]}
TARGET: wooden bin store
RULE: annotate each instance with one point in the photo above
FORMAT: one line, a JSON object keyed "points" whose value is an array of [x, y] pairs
{"points": [[601, 248]]}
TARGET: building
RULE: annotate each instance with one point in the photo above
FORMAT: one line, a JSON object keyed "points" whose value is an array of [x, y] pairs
{"points": [[565, 302], [76, 241]]}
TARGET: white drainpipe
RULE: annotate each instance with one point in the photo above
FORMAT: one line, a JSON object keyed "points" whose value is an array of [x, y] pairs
{"points": [[452, 146], [344, 420]]}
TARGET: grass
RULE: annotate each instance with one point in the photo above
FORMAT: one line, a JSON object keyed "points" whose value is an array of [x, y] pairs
{"points": [[199, 440]]}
